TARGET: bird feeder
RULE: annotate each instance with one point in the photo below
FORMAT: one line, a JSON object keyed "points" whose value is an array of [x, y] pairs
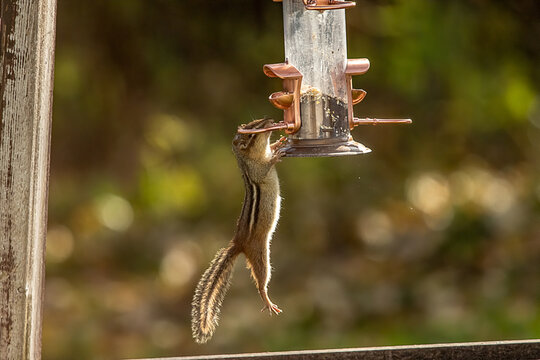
{"points": [[317, 97]]}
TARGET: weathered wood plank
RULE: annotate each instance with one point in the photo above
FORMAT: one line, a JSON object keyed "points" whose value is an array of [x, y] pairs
{"points": [[26, 65], [495, 350]]}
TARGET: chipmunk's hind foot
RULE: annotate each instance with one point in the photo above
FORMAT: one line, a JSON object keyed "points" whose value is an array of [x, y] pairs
{"points": [[272, 308]]}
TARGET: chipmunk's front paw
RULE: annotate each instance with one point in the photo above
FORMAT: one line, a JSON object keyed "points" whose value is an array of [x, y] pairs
{"points": [[278, 144], [278, 154]]}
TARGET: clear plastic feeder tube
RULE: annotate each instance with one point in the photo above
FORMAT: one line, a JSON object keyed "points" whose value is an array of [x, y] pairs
{"points": [[316, 44]]}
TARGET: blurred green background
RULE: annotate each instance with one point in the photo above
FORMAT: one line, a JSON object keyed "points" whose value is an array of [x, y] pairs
{"points": [[432, 237]]}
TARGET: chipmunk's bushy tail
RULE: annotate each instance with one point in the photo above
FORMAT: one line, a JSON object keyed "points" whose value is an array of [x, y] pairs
{"points": [[210, 292]]}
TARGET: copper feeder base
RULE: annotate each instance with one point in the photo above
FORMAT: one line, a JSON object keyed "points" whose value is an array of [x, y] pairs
{"points": [[323, 148]]}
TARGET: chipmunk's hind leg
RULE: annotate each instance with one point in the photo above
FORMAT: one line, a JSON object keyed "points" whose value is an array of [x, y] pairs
{"points": [[259, 263]]}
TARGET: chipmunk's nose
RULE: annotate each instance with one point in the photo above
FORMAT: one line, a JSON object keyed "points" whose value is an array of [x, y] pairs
{"points": [[268, 123]]}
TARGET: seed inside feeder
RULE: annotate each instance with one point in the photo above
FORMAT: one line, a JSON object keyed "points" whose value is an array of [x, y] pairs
{"points": [[323, 116]]}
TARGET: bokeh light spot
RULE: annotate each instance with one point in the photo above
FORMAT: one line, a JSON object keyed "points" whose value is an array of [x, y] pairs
{"points": [[114, 212], [498, 196], [178, 266], [167, 134], [519, 97], [60, 243], [375, 228], [174, 189], [429, 192]]}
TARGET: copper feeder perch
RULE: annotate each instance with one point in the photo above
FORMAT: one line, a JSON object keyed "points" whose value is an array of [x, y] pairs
{"points": [[317, 97]]}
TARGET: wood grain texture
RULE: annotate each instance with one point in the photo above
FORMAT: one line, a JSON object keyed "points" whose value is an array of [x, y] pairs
{"points": [[26, 63], [495, 350]]}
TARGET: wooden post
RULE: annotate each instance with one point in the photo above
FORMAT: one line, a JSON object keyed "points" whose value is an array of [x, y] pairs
{"points": [[26, 63]]}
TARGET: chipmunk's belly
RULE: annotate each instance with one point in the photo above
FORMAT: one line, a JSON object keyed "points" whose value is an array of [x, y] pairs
{"points": [[268, 209], [268, 212], [275, 219]]}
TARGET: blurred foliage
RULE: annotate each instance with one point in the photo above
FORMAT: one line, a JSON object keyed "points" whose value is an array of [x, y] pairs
{"points": [[433, 237]]}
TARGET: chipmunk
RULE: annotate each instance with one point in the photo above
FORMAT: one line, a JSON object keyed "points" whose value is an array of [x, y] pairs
{"points": [[258, 219]]}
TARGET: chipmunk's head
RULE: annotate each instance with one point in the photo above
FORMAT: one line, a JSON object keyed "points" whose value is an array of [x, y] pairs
{"points": [[256, 143]]}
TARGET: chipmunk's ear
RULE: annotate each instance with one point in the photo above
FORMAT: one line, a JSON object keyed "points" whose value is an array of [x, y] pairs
{"points": [[238, 142], [242, 141], [248, 141]]}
